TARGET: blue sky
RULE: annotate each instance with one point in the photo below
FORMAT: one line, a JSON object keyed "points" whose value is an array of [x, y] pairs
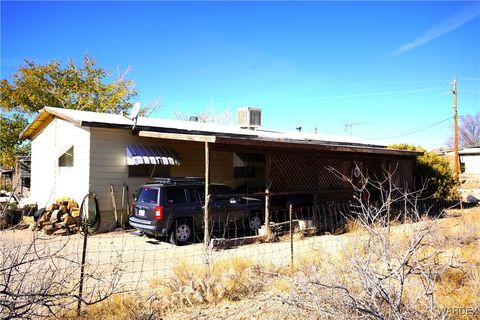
{"points": [[384, 67]]}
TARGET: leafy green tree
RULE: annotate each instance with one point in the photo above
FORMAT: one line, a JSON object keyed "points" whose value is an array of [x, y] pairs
{"points": [[10, 145], [84, 88], [33, 87], [435, 171]]}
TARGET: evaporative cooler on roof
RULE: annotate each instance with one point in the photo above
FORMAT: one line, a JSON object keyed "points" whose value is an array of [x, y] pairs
{"points": [[249, 118]]}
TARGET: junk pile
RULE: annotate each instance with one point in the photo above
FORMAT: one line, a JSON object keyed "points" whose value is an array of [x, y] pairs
{"points": [[13, 208], [59, 218]]}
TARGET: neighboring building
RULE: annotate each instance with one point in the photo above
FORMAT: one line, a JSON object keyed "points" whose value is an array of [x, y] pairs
{"points": [[17, 179], [6, 178], [470, 160], [77, 152]]}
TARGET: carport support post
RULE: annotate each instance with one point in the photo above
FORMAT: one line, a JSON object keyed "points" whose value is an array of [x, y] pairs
{"points": [[267, 194], [206, 238]]}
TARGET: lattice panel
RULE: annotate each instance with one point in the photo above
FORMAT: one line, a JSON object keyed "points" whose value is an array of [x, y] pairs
{"points": [[403, 176], [328, 180], [292, 172], [376, 170], [335, 196]]}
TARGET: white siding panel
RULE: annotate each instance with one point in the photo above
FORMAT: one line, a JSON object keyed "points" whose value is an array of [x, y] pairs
{"points": [[472, 163], [48, 180], [109, 166]]}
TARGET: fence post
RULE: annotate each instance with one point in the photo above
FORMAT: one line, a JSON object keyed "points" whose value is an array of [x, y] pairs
{"points": [[82, 266], [290, 209]]}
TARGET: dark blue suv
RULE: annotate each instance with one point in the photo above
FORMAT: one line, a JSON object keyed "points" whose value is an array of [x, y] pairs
{"points": [[173, 208]]}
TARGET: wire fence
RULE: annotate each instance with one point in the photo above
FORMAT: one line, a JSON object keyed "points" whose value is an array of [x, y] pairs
{"points": [[82, 269]]}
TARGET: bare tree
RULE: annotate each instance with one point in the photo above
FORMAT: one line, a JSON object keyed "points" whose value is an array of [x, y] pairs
{"points": [[210, 115], [378, 277], [39, 279], [151, 107], [468, 131]]}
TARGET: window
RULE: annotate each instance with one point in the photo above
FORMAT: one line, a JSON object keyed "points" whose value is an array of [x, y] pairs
{"points": [[148, 195], [66, 159], [197, 194], [176, 196], [148, 170]]}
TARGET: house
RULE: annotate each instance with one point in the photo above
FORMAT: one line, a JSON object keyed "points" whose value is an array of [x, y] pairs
{"points": [[78, 152], [470, 160]]}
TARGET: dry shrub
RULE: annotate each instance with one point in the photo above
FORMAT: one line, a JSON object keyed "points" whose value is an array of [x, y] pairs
{"points": [[282, 285], [231, 280], [116, 307], [458, 288], [354, 226]]}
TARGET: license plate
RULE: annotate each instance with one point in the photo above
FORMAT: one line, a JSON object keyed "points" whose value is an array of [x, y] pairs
{"points": [[141, 212]]}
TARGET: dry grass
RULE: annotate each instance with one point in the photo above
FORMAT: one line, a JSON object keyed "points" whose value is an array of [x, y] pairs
{"points": [[117, 307], [449, 250], [230, 280], [471, 184], [354, 226]]}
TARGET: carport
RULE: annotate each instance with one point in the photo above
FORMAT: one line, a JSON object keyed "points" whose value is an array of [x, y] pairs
{"points": [[295, 167]]}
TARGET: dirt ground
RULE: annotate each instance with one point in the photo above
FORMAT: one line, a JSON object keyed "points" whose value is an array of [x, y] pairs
{"points": [[137, 260]]}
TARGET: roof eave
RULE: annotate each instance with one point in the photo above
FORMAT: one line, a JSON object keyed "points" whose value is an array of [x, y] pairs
{"points": [[32, 127], [43, 118]]}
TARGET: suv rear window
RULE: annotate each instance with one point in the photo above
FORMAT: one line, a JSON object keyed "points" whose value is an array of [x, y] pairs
{"points": [[148, 195]]}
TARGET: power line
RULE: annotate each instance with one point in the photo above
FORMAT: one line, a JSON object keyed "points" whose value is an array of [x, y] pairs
{"points": [[371, 94], [415, 130]]}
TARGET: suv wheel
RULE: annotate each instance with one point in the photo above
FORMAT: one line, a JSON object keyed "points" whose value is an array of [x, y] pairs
{"points": [[181, 233], [254, 222]]}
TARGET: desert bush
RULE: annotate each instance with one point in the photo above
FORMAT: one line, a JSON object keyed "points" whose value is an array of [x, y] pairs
{"points": [[434, 175], [385, 275], [230, 280], [117, 307]]}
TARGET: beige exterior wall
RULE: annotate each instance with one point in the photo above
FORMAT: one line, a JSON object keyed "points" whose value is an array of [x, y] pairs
{"points": [[49, 181], [109, 166]]}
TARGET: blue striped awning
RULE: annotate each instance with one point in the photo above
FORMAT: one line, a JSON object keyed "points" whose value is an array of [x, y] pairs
{"points": [[138, 154]]}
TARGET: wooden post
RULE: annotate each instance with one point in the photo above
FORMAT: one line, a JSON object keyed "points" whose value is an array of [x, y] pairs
{"points": [[267, 193], [455, 127], [315, 208], [206, 238], [290, 211]]}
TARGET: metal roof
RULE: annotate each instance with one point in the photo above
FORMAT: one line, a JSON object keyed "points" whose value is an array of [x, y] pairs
{"points": [[473, 150], [198, 131]]}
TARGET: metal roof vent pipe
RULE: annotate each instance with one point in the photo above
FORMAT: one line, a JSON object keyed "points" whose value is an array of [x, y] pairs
{"points": [[249, 118], [193, 119]]}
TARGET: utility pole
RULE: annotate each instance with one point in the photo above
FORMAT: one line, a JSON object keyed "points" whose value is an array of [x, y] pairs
{"points": [[455, 127]]}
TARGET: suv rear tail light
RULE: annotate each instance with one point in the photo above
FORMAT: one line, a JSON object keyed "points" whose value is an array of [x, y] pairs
{"points": [[158, 213]]}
